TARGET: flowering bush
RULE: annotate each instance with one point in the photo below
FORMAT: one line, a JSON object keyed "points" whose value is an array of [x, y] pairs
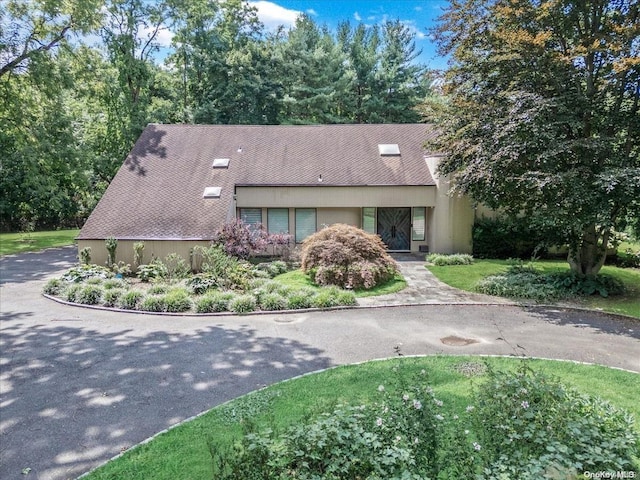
{"points": [[241, 240], [348, 257]]}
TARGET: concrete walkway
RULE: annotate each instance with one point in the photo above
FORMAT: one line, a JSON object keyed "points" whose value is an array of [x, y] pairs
{"points": [[423, 288], [77, 386]]}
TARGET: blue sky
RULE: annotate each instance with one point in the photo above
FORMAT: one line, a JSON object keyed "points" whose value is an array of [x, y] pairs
{"points": [[418, 15]]}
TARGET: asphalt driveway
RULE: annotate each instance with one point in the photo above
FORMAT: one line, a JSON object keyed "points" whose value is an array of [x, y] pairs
{"points": [[77, 386]]}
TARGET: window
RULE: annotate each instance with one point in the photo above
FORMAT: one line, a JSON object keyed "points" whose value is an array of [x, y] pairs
{"points": [[278, 220], [251, 216], [369, 219], [305, 223], [220, 163], [387, 149], [212, 192], [418, 223]]}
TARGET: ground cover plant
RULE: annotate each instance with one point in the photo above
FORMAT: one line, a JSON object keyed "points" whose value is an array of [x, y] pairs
{"points": [[348, 257], [548, 281], [362, 421], [32, 241]]}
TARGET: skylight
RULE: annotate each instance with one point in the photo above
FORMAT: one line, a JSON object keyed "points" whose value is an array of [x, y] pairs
{"points": [[212, 192], [388, 149], [220, 163]]}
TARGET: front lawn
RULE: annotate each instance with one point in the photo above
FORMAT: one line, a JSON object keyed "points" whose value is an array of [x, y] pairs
{"points": [[466, 277], [298, 279], [185, 452], [27, 242]]}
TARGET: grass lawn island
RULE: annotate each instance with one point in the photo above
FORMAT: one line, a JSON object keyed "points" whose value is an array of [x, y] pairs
{"points": [[180, 183]]}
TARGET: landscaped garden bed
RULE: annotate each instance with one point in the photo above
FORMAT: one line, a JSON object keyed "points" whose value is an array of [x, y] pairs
{"points": [[337, 264], [414, 418]]}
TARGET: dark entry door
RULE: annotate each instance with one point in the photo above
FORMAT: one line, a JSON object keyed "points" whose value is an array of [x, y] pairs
{"points": [[394, 227]]}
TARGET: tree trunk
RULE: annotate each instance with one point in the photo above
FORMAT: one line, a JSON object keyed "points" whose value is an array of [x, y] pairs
{"points": [[588, 256]]}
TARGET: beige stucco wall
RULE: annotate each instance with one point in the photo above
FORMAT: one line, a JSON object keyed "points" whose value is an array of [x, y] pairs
{"points": [[152, 249], [451, 221], [337, 197]]}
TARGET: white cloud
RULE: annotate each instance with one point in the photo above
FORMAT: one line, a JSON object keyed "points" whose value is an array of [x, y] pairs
{"points": [[357, 16], [273, 15], [411, 25], [312, 12]]}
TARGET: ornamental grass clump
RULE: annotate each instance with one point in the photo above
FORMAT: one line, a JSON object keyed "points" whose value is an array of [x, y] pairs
{"points": [[214, 302], [347, 257]]}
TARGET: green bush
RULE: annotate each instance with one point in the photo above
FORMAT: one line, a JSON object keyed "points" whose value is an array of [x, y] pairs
{"points": [[505, 238], [93, 281], [200, 283], [85, 255], [71, 292], [82, 273], [300, 298], [177, 267], [89, 295], [326, 298], [346, 298], [54, 287], [112, 296], [158, 289], [154, 303], [586, 285], [114, 283], [131, 300], [223, 270], [273, 301], [441, 259], [347, 257], [527, 423], [112, 244], [155, 269], [628, 259], [214, 302], [242, 304], [177, 300]]}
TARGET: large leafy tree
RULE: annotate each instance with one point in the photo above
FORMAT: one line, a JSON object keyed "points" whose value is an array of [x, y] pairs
{"points": [[542, 116]]}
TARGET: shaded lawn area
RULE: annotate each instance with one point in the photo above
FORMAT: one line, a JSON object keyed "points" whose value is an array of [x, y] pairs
{"points": [[465, 277], [29, 242], [298, 279], [183, 452]]}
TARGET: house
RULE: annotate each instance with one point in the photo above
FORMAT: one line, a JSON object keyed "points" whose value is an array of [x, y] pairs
{"points": [[180, 183]]}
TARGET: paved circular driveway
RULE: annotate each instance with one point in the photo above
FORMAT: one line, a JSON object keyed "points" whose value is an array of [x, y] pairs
{"points": [[77, 386]]}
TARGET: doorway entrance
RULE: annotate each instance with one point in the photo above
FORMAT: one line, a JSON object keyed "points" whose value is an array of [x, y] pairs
{"points": [[394, 227]]}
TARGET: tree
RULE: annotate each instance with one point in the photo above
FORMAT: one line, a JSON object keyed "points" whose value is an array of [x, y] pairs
{"points": [[541, 117]]}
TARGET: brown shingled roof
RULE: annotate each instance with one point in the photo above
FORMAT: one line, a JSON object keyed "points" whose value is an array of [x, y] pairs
{"points": [[158, 191]]}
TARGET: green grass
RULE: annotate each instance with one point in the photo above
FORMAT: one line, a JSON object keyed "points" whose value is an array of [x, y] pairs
{"points": [[182, 453], [465, 277], [29, 242], [298, 279]]}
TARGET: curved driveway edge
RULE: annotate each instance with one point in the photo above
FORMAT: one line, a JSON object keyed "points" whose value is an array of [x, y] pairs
{"points": [[78, 386]]}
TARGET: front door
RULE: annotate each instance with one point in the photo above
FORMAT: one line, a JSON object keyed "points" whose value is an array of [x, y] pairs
{"points": [[394, 227]]}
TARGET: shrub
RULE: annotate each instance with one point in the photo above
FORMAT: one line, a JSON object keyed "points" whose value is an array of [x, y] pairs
{"points": [[273, 301], [585, 285], [326, 298], [138, 253], [176, 267], [89, 295], [158, 289], [200, 283], [346, 298], [453, 259], [122, 269], [71, 292], [85, 256], [301, 298], [214, 302], [240, 240], [112, 244], [393, 438], [155, 269], [53, 287], [273, 269], [154, 303], [93, 281], [628, 259], [223, 270], [527, 423], [111, 297], [505, 237], [114, 283], [131, 300], [177, 300], [84, 272], [242, 304], [347, 256]]}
